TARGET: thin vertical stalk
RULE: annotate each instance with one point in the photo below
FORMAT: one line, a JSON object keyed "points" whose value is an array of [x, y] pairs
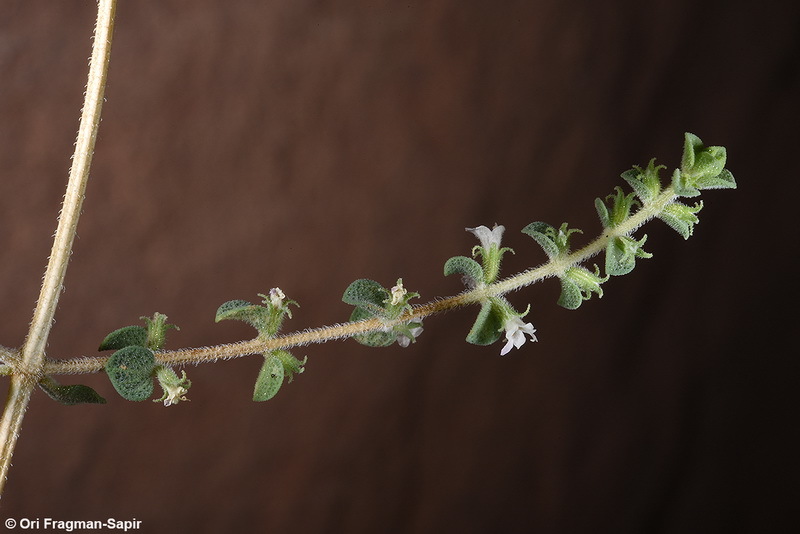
{"points": [[29, 369]]}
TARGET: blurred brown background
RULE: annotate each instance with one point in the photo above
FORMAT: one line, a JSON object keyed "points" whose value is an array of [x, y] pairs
{"points": [[249, 144]]}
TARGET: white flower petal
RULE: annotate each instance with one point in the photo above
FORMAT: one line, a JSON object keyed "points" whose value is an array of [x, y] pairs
{"points": [[398, 292], [488, 237], [515, 334], [403, 340], [276, 297]]}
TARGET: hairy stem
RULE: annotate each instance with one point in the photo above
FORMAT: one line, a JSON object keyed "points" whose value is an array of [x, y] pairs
{"points": [[29, 368], [323, 334]]}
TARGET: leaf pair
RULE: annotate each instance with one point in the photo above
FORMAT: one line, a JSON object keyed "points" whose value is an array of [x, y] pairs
{"points": [[132, 367], [496, 314], [267, 320], [372, 300], [577, 283], [621, 250], [497, 317], [646, 184]]}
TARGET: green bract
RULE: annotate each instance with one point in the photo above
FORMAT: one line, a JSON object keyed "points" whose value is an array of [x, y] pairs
{"points": [[471, 270], [266, 319], [241, 310], [277, 366], [270, 378], [157, 331], [645, 182], [488, 325], [681, 217], [291, 365], [699, 161], [554, 242], [123, 337], [578, 284], [620, 208], [368, 295], [621, 254], [702, 167]]}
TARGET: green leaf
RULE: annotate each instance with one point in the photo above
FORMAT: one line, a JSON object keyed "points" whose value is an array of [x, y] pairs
{"points": [[691, 145], [621, 254], [367, 294], [71, 394], [471, 270], [644, 182], [578, 284], [700, 161], [291, 365], [124, 337], [602, 212], [488, 326], [570, 297], [723, 180], [682, 185], [270, 379], [681, 217], [702, 167], [131, 372], [544, 234], [554, 242], [240, 310], [371, 339], [231, 309], [620, 208]]}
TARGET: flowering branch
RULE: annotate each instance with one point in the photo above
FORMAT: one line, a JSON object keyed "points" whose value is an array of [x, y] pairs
{"points": [[380, 317], [388, 314]]}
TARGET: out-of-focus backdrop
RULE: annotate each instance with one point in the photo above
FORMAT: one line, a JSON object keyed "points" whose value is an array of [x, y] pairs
{"points": [[249, 144]]}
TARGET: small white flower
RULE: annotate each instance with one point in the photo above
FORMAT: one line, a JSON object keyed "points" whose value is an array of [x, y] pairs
{"points": [[276, 297], [175, 389], [403, 340], [515, 334], [398, 292], [174, 393], [488, 237]]}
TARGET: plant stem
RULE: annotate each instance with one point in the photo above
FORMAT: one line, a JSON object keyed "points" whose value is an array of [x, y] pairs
{"points": [[30, 367], [552, 268]]}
